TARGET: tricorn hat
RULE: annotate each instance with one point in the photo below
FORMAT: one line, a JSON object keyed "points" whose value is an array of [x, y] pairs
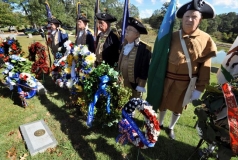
{"points": [[82, 18], [55, 21], [106, 17], [199, 5], [137, 25]]}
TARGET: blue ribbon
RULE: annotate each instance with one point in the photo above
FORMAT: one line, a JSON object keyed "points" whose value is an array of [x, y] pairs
{"points": [[10, 41], [101, 90], [1, 50], [134, 127]]}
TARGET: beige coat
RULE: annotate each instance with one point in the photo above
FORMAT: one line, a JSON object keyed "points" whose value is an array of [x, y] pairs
{"points": [[201, 48]]}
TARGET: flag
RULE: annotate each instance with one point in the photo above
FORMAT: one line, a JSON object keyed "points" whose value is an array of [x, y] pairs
{"points": [[96, 10], [158, 65], [78, 14], [49, 16], [124, 21]]}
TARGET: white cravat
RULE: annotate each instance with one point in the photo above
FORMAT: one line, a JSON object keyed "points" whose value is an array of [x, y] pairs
{"points": [[80, 33], [53, 32], [127, 48]]}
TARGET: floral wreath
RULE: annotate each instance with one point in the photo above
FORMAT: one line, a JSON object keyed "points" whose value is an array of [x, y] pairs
{"points": [[129, 130], [12, 46], [17, 73], [38, 55]]}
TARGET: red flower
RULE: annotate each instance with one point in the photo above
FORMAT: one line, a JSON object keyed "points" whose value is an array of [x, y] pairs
{"points": [[14, 46]]}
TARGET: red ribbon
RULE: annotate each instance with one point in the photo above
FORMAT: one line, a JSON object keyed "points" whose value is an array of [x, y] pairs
{"points": [[232, 110]]}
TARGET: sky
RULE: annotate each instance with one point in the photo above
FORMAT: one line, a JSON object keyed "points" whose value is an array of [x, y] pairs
{"points": [[147, 7]]}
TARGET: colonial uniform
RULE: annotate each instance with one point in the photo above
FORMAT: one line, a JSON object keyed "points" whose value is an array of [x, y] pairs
{"points": [[58, 37], [201, 48], [134, 61], [85, 37], [107, 44]]}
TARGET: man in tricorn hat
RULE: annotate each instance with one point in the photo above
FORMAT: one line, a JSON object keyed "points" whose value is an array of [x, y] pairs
{"points": [[200, 47], [84, 36], [107, 43], [135, 57], [58, 35]]}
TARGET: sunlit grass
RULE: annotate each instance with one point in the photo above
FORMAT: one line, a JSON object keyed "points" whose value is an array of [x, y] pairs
{"points": [[75, 140]]}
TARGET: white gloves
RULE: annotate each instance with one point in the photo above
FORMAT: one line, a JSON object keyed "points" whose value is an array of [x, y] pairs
{"points": [[140, 89], [195, 95]]}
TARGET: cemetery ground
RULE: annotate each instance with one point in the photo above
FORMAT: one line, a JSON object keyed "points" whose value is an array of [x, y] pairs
{"points": [[75, 140]]}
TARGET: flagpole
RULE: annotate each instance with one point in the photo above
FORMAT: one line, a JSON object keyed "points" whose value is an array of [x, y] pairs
{"points": [[124, 21]]}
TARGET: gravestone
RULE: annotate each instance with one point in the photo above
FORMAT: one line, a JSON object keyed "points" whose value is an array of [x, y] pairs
{"points": [[29, 35], [38, 137]]}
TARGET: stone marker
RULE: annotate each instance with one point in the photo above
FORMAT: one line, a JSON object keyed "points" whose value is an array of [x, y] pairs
{"points": [[38, 137], [29, 35]]}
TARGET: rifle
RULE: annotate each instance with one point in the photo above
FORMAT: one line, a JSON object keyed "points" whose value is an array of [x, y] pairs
{"points": [[96, 10], [49, 16], [78, 14]]}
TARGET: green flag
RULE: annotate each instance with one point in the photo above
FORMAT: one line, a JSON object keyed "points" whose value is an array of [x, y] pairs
{"points": [[158, 65]]}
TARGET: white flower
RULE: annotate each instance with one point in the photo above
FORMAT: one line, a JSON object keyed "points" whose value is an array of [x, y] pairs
{"points": [[84, 51], [31, 83], [70, 83]]}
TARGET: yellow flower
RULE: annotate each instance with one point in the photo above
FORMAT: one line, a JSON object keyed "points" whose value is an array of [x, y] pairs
{"points": [[67, 70], [90, 59], [70, 59], [78, 88]]}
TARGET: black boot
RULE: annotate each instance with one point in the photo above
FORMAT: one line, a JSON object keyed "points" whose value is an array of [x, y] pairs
{"points": [[171, 134]]}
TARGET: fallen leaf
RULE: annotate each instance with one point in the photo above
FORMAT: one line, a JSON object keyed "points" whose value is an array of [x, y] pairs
{"points": [[23, 157], [12, 153], [59, 154], [10, 133], [51, 150]]}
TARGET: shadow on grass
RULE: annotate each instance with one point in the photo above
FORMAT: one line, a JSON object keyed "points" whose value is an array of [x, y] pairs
{"points": [[12, 94], [73, 126], [164, 149]]}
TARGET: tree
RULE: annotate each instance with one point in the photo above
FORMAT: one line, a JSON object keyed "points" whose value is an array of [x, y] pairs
{"points": [[7, 16], [203, 25], [115, 8], [212, 25], [226, 21]]}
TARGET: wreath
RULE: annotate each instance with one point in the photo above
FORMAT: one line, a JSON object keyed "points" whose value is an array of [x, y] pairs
{"points": [[12, 46], [131, 132], [38, 55], [26, 87], [17, 73]]}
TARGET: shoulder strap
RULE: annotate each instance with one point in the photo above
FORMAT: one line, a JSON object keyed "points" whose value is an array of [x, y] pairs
{"points": [[185, 50]]}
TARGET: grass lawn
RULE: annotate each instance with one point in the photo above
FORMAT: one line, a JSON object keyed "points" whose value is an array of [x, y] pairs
{"points": [[75, 140]]}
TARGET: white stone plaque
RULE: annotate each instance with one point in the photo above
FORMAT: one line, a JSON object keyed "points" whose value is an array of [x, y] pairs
{"points": [[38, 137]]}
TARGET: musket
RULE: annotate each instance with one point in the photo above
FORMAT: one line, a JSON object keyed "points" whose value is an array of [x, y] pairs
{"points": [[49, 16], [96, 10], [78, 8]]}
